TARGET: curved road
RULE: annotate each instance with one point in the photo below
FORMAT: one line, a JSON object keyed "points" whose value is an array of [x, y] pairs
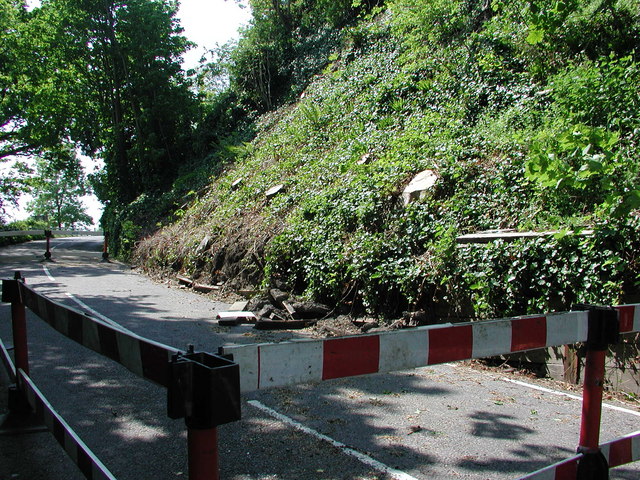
{"points": [[442, 422]]}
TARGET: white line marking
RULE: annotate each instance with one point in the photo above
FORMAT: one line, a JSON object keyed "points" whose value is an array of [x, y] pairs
{"points": [[381, 467], [48, 273], [97, 314], [575, 397]]}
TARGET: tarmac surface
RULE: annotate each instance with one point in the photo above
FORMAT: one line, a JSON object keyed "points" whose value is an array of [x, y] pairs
{"points": [[442, 422]]}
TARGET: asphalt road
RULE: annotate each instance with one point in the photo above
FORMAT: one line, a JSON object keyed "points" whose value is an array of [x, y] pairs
{"points": [[444, 422]]}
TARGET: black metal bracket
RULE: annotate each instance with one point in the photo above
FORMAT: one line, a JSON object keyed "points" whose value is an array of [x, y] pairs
{"points": [[592, 466], [204, 390], [11, 290], [604, 326]]}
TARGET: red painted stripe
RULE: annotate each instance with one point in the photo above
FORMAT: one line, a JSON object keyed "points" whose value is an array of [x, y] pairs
{"points": [[155, 363], [108, 342], [626, 313], [621, 452], [528, 333], [85, 463], [567, 470], [450, 344], [346, 357]]}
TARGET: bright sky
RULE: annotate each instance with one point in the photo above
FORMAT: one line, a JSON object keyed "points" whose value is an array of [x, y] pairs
{"points": [[207, 23]]}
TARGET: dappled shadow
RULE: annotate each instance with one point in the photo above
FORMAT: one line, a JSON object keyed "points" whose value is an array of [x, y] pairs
{"points": [[493, 425]]}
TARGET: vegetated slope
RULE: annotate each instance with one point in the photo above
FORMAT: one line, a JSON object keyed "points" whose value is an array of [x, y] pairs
{"points": [[529, 116]]}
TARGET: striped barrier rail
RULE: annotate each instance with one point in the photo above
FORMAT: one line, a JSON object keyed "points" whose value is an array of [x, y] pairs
{"points": [[289, 363], [90, 466], [617, 453], [202, 388]]}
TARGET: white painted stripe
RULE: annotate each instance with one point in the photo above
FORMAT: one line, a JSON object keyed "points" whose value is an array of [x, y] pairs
{"points": [[491, 338], [130, 356], [246, 356], [90, 336], [635, 447], [403, 349], [97, 314], [546, 473], [575, 397], [48, 273], [567, 328], [289, 363], [381, 467]]}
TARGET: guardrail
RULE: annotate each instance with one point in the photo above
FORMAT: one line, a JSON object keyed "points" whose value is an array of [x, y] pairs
{"points": [[49, 234], [205, 388], [201, 388]]}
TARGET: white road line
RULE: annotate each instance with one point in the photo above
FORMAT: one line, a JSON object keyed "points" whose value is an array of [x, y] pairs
{"points": [[48, 273], [381, 467], [93, 312], [97, 314], [575, 397]]}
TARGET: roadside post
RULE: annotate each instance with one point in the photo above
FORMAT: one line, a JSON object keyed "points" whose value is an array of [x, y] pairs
{"points": [[603, 331], [47, 254], [11, 293], [205, 391], [105, 248]]}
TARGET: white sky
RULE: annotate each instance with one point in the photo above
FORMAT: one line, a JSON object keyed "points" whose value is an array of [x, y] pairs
{"points": [[207, 23]]}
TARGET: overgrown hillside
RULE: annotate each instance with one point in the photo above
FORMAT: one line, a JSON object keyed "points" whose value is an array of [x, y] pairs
{"points": [[526, 111]]}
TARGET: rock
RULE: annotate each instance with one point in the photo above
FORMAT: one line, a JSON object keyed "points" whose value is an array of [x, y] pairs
{"points": [[274, 191], [278, 296], [204, 244], [310, 309], [369, 326], [418, 187], [266, 311], [257, 303]]}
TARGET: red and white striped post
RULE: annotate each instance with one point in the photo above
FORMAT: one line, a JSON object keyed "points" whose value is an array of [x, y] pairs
{"points": [[603, 331]]}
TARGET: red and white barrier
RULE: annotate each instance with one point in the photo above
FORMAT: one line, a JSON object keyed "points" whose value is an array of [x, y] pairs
{"points": [[90, 466], [288, 363], [617, 452], [144, 357]]}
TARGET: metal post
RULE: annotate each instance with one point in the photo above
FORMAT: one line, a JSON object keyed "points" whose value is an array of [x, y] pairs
{"points": [[19, 326], [47, 253], [603, 331], [205, 391], [592, 401], [203, 454], [105, 248]]}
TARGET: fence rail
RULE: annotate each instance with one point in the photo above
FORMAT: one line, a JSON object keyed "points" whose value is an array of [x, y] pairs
{"points": [[201, 388], [58, 233], [205, 389]]}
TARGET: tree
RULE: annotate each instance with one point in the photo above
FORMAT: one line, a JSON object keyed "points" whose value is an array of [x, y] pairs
{"points": [[57, 186]]}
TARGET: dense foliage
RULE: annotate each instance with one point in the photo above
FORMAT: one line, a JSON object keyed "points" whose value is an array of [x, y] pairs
{"points": [[528, 113]]}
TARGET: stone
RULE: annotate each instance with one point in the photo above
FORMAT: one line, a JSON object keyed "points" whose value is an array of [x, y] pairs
{"points": [[274, 191], [418, 187]]}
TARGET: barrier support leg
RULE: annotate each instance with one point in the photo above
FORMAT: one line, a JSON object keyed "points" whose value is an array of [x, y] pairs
{"points": [[203, 454], [105, 248], [47, 253], [19, 327], [11, 293], [204, 390], [603, 331]]}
